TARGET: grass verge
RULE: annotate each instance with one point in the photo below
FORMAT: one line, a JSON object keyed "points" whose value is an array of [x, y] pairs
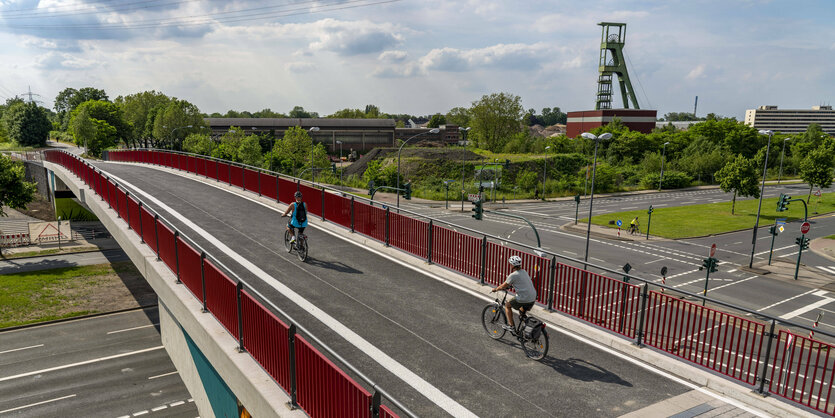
{"points": [[713, 218], [46, 295], [52, 251]]}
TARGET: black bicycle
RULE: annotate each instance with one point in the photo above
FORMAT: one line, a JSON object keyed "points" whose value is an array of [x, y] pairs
{"points": [[529, 331], [300, 245]]}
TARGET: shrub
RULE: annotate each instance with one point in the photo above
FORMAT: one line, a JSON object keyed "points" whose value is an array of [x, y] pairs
{"points": [[672, 180]]}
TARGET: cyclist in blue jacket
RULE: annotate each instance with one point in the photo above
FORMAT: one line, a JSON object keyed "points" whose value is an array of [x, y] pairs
{"points": [[299, 217]]}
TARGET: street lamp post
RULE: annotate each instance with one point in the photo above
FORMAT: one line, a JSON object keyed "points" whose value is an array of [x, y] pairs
{"points": [[762, 190], [596, 140], [782, 153], [312, 129], [464, 138], [171, 134], [340, 161], [544, 169], [431, 131], [663, 154]]}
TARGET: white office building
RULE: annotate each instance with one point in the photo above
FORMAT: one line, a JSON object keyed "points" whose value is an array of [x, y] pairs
{"points": [[791, 121]]}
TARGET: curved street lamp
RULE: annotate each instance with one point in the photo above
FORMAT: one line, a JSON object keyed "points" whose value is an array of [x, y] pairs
{"points": [[431, 131], [171, 133], [596, 139], [782, 153], [663, 152], [762, 190]]}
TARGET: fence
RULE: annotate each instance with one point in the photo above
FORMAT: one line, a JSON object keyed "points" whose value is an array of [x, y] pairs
{"points": [[299, 368], [739, 348]]}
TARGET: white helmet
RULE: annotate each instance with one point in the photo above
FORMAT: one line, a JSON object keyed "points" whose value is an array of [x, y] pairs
{"points": [[515, 260]]}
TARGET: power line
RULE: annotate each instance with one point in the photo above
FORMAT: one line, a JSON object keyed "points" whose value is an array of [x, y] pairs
{"points": [[45, 14], [250, 14], [639, 81]]}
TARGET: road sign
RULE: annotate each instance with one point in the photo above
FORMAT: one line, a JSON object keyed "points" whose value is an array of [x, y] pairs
{"points": [[818, 192], [620, 223], [805, 227], [713, 250], [782, 228], [780, 221], [473, 197]]}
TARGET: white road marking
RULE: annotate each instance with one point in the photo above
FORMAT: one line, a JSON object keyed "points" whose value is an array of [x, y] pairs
{"points": [[80, 363], [487, 298], [136, 414], [159, 408], [655, 261], [660, 204], [162, 375], [36, 404], [630, 207], [131, 329], [807, 308], [786, 300], [529, 213], [412, 379], [830, 270], [21, 348], [178, 403]]}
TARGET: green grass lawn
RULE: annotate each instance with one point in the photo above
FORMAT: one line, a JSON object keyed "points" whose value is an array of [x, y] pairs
{"points": [[68, 209], [830, 237], [46, 295], [713, 218]]}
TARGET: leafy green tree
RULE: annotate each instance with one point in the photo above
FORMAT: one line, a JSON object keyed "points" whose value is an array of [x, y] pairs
{"points": [[136, 109], [68, 99], [299, 112], [701, 159], [495, 118], [171, 122], [107, 112], [679, 117], [816, 168], [348, 114], [527, 180], [229, 143], [372, 111], [740, 177], [249, 152], [553, 116], [292, 152], [199, 144], [268, 113], [15, 192], [436, 120], [82, 128], [27, 124], [458, 116]]}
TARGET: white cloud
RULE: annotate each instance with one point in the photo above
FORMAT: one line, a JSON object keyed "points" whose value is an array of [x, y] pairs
{"points": [[393, 56], [299, 67], [60, 61], [698, 72]]}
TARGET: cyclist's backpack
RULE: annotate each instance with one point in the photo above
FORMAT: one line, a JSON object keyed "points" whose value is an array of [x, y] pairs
{"points": [[301, 213], [533, 327]]}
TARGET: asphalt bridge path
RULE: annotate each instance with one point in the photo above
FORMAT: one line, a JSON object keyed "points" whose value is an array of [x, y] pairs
{"points": [[428, 327]]}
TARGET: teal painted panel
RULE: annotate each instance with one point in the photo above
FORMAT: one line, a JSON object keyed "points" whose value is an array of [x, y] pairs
{"points": [[224, 402]]}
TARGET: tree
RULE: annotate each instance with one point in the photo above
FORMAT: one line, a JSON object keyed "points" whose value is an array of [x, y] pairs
{"points": [[740, 177], [15, 192], [230, 142], [82, 128], [291, 152], [249, 152], [299, 112], [458, 116], [495, 118], [68, 99], [553, 116], [816, 168], [136, 109], [436, 120], [680, 117], [171, 122], [199, 144], [107, 112], [27, 124]]}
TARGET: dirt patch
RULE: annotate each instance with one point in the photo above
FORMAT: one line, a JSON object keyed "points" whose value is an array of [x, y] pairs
{"points": [[436, 154], [39, 208]]}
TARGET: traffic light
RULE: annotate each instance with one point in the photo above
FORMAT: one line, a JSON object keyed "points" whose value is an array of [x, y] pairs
{"points": [[773, 230], [783, 202], [479, 211], [506, 163], [714, 263], [371, 188], [803, 242], [649, 211], [333, 168], [408, 193], [710, 264], [577, 198]]}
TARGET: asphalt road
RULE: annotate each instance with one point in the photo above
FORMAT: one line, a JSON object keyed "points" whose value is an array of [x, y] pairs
{"points": [[62, 260], [106, 366], [780, 298], [425, 325]]}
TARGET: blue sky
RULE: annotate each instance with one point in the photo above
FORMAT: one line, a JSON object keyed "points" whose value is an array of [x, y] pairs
{"points": [[420, 57]]}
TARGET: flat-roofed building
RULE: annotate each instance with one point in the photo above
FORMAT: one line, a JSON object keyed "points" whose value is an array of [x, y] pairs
{"points": [[585, 120], [356, 134], [791, 121]]}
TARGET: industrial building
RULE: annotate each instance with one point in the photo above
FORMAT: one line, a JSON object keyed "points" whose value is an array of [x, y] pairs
{"points": [[791, 121], [585, 120]]}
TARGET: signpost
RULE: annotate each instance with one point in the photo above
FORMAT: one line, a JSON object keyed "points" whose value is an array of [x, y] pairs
{"points": [[804, 228], [709, 264], [774, 230], [803, 243], [620, 223]]}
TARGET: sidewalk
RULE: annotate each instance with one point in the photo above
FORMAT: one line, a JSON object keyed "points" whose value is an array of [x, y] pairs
{"points": [[823, 247]]}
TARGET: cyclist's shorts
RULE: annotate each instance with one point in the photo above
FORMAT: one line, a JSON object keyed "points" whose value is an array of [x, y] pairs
{"points": [[516, 305], [293, 228]]}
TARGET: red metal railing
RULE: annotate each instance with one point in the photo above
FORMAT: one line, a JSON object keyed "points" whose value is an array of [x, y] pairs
{"points": [[338, 210], [323, 389], [251, 179], [409, 234], [313, 198], [286, 190], [236, 175], [370, 221], [268, 185], [803, 371], [457, 251], [189, 262], [221, 297], [265, 338]]}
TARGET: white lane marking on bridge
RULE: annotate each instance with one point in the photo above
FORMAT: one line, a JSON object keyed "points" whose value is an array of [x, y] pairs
{"points": [[412, 379], [37, 403], [21, 348], [161, 375], [786, 300], [80, 363], [131, 329]]}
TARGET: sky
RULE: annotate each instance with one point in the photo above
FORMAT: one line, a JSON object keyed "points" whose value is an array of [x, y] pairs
{"points": [[421, 56]]}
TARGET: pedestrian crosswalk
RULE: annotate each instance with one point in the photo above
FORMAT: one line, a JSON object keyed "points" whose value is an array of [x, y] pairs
{"points": [[827, 269]]}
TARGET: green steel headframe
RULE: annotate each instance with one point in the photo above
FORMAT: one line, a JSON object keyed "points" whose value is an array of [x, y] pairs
{"points": [[612, 62]]}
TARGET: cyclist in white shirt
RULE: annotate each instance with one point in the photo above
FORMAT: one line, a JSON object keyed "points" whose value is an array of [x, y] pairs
{"points": [[525, 291]]}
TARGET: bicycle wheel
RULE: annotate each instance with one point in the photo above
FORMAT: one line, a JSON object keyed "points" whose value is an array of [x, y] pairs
{"points": [[287, 243], [492, 318], [301, 248], [536, 349]]}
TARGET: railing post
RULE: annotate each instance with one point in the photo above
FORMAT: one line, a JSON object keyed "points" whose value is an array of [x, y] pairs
{"points": [[101, 180], [429, 244], [156, 232], [762, 378], [238, 288], [483, 259], [229, 173], [277, 193], [387, 226], [177, 255], [352, 213], [642, 316], [259, 182], [217, 172], [323, 203], [552, 284], [205, 167], [203, 278], [118, 216], [243, 178], [376, 400], [141, 228], [291, 348], [127, 207]]}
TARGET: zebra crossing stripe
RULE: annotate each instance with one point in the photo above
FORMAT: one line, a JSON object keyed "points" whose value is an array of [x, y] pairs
{"points": [[830, 269]]}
